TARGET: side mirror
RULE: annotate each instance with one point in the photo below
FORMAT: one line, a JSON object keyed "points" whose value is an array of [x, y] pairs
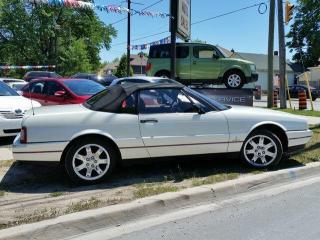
{"points": [[60, 93], [198, 109]]}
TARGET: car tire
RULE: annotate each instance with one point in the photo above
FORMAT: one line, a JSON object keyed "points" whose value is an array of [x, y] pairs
{"points": [[164, 74], [90, 161], [234, 79], [262, 149]]}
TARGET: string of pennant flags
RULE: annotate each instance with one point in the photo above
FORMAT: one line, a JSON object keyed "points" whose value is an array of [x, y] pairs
{"points": [[92, 6], [147, 45], [7, 67]]}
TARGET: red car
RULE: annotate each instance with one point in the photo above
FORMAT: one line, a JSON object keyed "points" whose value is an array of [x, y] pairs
{"points": [[55, 91]]}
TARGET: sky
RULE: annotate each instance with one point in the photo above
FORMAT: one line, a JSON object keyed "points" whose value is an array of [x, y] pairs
{"points": [[244, 31]]}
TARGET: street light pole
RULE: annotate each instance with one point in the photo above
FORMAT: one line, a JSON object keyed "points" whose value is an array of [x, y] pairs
{"points": [[270, 53], [282, 56], [128, 38], [173, 29]]}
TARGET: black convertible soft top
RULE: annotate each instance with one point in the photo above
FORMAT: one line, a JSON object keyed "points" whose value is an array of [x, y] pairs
{"points": [[110, 100]]}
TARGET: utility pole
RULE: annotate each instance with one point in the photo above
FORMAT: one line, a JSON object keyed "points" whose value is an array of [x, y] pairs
{"points": [[270, 53], [173, 29], [128, 38], [282, 57]]}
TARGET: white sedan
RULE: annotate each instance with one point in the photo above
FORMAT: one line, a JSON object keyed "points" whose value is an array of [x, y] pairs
{"points": [[126, 122], [12, 109]]}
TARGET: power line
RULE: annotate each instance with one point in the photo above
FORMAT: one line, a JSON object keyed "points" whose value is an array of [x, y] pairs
{"points": [[203, 20], [122, 19]]}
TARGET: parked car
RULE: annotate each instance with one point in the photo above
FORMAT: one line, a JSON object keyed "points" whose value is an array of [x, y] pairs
{"points": [[142, 80], [199, 63], [295, 89], [15, 84], [12, 109], [54, 91], [121, 123], [104, 80], [39, 74]]}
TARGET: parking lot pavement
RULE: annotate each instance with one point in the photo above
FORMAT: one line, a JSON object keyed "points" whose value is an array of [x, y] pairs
{"points": [[294, 102]]}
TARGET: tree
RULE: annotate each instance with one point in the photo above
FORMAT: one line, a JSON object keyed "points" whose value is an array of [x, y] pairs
{"points": [[122, 68], [33, 34], [304, 33]]}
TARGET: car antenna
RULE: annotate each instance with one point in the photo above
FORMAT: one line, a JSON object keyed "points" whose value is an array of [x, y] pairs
{"points": [[30, 99]]}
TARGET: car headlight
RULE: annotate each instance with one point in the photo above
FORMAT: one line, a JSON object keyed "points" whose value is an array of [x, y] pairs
{"points": [[253, 67]]}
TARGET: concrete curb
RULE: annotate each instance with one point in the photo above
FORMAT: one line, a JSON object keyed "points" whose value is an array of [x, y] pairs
{"points": [[112, 216]]}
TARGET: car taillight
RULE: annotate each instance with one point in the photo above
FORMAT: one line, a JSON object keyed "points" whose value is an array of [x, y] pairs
{"points": [[148, 67], [23, 135]]}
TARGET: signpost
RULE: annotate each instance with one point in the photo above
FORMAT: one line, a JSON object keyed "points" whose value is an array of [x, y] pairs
{"points": [[180, 26]]}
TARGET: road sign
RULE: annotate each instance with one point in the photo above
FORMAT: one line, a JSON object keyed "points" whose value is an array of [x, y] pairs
{"points": [[184, 19]]}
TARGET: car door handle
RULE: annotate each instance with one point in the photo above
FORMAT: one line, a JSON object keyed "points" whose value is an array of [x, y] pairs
{"points": [[149, 121], [194, 62]]}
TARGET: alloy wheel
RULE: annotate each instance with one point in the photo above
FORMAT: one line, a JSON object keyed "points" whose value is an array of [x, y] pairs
{"points": [[234, 80], [260, 151], [91, 162]]}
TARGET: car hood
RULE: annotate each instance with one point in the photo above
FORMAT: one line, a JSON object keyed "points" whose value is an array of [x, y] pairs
{"points": [[237, 60], [252, 115], [12, 103]]}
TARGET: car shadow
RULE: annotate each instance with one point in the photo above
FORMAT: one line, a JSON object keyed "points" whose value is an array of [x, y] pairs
{"points": [[47, 178]]}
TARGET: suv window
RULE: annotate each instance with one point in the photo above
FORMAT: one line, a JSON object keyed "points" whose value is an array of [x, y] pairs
{"points": [[204, 52], [163, 51], [164, 101]]}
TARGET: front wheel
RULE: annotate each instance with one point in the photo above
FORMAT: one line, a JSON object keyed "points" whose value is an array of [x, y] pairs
{"points": [[262, 149], [234, 80], [90, 161]]}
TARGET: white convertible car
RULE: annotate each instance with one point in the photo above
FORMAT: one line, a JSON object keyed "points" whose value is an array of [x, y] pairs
{"points": [[151, 120]]}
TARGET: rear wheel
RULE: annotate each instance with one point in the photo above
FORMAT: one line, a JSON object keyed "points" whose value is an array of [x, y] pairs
{"points": [[90, 161], [234, 79], [261, 149]]}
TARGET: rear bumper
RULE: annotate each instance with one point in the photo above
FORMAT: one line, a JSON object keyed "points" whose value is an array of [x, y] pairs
{"points": [[253, 78], [298, 138], [46, 152]]}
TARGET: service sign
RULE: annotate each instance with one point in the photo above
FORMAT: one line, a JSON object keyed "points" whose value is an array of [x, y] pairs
{"points": [[184, 19], [242, 97]]}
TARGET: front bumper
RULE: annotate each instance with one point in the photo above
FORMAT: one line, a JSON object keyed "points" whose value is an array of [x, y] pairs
{"points": [[253, 78], [298, 138], [46, 151], [10, 127]]}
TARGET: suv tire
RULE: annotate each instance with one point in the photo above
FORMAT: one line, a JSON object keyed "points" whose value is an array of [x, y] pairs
{"points": [[234, 79]]}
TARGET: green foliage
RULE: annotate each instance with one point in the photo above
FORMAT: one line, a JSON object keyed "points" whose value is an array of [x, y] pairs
{"points": [[304, 33], [46, 35], [122, 68]]}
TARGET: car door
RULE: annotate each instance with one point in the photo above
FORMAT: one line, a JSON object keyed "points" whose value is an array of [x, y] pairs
{"points": [[183, 62], [205, 63], [36, 91], [170, 126], [54, 99]]}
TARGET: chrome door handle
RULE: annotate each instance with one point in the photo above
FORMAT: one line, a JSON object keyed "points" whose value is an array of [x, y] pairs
{"points": [[149, 121]]}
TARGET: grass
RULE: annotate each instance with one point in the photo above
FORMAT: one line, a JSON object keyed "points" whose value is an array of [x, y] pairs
{"points": [[214, 179], [83, 205], [301, 112], [6, 163], [146, 190], [2, 193], [56, 194]]}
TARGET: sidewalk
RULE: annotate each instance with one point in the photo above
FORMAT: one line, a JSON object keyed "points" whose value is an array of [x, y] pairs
{"points": [[5, 154]]}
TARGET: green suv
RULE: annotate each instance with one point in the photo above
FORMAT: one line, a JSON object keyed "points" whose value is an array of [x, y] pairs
{"points": [[199, 63]]}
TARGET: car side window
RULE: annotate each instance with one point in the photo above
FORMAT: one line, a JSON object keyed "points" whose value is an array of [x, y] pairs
{"points": [[182, 51], [53, 87], [129, 105], [154, 101], [205, 52], [37, 87]]}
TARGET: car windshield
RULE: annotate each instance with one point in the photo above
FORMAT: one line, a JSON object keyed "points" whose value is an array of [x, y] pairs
{"points": [[83, 87], [6, 90], [207, 99]]}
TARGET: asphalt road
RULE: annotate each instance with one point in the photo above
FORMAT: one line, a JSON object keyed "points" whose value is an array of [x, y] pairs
{"points": [[286, 212]]}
